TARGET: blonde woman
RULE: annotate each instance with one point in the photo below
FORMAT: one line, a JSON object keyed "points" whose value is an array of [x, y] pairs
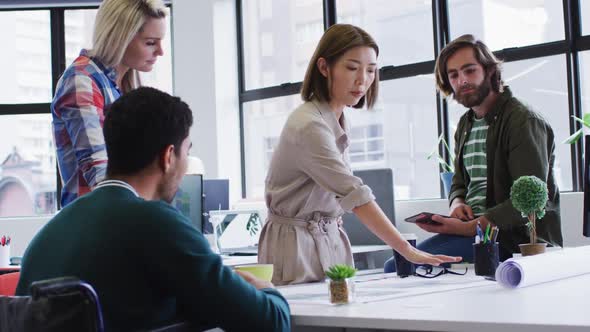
{"points": [[310, 185], [127, 39]]}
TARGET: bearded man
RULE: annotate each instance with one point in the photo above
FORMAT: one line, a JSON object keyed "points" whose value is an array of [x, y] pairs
{"points": [[498, 139]]}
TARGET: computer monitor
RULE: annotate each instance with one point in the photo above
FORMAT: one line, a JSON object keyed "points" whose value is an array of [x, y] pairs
{"points": [[237, 231], [189, 199], [216, 197], [381, 182], [586, 185]]}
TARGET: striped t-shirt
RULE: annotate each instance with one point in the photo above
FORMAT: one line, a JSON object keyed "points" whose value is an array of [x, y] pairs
{"points": [[474, 158]]}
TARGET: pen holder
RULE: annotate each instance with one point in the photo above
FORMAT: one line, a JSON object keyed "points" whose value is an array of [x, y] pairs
{"points": [[486, 258], [5, 255]]}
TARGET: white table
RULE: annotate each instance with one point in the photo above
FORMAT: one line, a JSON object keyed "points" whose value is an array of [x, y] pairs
{"points": [[363, 253], [486, 306]]}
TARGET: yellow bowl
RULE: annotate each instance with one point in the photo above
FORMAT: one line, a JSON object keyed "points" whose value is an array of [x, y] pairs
{"points": [[260, 271]]}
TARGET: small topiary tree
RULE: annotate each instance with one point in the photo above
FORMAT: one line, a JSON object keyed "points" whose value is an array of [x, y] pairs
{"points": [[529, 195]]}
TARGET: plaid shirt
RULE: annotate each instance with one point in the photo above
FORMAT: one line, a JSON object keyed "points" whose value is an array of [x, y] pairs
{"points": [[83, 91]]}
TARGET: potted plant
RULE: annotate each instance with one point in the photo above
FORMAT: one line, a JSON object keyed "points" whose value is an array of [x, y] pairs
{"points": [[529, 196], [341, 285], [448, 168]]}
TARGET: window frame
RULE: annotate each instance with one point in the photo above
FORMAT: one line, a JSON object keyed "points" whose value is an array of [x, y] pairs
{"points": [[57, 11], [573, 43]]}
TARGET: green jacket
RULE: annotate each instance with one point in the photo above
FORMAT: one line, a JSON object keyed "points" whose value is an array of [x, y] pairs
{"points": [[519, 142], [148, 265]]}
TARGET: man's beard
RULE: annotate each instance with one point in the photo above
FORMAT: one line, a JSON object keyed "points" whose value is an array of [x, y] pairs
{"points": [[474, 98]]}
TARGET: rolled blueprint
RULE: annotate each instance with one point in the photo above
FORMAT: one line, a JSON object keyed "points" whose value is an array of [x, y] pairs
{"points": [[549, 266]]}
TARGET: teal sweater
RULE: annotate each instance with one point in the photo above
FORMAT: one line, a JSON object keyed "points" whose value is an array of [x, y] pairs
{"points": [[149, 266]]}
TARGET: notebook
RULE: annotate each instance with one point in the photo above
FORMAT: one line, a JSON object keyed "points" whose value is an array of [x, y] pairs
{"points": [[236, 231]]}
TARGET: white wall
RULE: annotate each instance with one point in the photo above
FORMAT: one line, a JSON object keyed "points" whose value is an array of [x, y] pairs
{"points": [[205, 76], [21, 231], [194, 74]]}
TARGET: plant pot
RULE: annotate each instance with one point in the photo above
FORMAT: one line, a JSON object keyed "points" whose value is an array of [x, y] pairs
{"points": [[447, 181], [530, 249], [341, 291]]}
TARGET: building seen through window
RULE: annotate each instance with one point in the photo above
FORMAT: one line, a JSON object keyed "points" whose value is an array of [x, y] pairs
{"points": [[402, 130], [27, 155], [28, 179]]}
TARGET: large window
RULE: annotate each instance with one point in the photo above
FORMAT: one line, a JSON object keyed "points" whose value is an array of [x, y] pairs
{"points": [[403, 128], [27, 157], [27, 166], [279, 39], [263, 122], [389, 25], [507, 23], [407, 111], [585, 74], [30, 67], [585, 10], [25, 57], [367, 145]]}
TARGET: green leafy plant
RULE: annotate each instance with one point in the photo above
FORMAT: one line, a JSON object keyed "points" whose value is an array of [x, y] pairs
{"points": [[253, 224], [340, 272], [448, 167], [576, 136], [529, 195]]}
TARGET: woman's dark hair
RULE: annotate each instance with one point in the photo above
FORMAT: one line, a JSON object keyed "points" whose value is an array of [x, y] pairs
{"points": [[336, 41]]}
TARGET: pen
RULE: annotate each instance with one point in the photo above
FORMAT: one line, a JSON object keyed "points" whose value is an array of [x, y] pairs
{"points": [[478, 229], [486, 238], [496, 233]]}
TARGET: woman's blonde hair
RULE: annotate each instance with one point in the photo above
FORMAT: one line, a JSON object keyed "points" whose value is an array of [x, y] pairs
{"points": [[117, 23], [336, 41]]}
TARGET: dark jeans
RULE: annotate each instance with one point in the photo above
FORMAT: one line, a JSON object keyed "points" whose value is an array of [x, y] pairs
{"points": [[442, 244]]}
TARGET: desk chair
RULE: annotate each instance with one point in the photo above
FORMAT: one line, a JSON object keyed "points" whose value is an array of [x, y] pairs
{"points": [[381, 183], [60, 304], [66, 304], [8, 282], [69, 304]]}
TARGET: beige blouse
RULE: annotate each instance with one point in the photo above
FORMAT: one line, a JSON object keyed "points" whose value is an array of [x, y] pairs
{"points": [[309, 186]]}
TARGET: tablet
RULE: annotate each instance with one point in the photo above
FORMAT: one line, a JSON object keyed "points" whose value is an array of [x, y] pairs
{"points": [[424, 217]]}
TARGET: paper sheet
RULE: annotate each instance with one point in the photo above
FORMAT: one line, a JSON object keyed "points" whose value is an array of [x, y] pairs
{"points": [[382, 287], [550, 266]]}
